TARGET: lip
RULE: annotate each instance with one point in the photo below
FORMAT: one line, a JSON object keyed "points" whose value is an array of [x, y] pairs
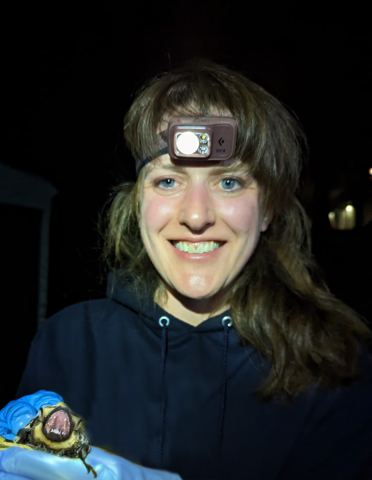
{"points": [[197, 256], [197, 241]]}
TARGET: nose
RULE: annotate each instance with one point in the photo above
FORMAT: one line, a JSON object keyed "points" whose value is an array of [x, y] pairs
{"points": [[197, 211]]}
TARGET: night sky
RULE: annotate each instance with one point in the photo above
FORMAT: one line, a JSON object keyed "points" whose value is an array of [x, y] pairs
{"points": [[70, 72]]}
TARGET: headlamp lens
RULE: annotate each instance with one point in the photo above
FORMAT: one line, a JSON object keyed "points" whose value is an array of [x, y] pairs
{"points": [[187, 143]]}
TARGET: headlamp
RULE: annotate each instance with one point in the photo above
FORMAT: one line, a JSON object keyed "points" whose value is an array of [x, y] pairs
{"points": [[199, 138], [206, 138]]}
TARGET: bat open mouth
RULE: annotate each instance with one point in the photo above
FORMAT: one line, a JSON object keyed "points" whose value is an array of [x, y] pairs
{"points": [[58, 425]]}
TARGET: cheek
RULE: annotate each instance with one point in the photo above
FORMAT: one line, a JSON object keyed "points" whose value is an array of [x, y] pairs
{"points": [[240, 214], [155, 214]]}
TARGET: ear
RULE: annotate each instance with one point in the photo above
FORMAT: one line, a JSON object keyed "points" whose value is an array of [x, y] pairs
{"points": [[266, 222]]}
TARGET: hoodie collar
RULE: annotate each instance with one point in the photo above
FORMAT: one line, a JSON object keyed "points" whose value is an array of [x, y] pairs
{"points": [[150, 312]]}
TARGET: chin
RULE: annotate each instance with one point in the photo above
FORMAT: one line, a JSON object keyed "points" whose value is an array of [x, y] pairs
{"points": [[195, 290], [196, 295]]}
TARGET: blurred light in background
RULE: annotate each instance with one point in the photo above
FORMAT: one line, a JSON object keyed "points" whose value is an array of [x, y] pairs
{"points": [[343, 217], [332, 220], [370, 171]]}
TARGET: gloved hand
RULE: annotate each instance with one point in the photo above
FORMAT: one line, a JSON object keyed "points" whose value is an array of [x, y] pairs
{"points": [[17, 413], [21, 464]]}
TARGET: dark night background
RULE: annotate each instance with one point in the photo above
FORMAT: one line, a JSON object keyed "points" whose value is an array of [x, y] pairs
{"points": [[69, 75]]}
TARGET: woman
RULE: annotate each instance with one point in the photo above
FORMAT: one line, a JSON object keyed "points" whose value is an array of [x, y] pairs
{"points": [[220, 353]]}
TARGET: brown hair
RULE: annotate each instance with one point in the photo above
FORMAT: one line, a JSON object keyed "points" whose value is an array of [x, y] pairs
{"points": [[279, 304]]}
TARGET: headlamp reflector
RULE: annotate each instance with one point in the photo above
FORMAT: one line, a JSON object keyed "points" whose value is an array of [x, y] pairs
{"points": [[187, 142]]}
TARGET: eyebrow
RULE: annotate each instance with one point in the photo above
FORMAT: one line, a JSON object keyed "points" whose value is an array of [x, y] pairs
{"points": [[216, 169]]}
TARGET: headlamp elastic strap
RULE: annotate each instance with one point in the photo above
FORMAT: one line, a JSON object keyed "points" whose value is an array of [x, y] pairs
{"points": [[141, 163]]}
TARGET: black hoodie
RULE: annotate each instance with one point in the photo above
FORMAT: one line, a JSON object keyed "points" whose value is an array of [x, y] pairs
{"points": [[180, 398]]}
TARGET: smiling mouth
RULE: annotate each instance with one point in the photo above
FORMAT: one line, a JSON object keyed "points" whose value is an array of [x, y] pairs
{"points": [[199, 247]]}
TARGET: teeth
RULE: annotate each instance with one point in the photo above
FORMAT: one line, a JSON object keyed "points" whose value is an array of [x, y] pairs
{"points": [[199, 248]]}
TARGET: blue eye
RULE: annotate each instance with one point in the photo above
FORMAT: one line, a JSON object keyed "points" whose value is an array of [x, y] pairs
{"points": [[229, 183], [167, 183]]}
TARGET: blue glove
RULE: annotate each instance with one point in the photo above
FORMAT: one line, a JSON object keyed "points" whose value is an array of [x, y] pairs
{"points": [[20, 464], [17, 413]]}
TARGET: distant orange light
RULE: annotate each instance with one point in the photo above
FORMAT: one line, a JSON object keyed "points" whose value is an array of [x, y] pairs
{"points": [[370, 171]]}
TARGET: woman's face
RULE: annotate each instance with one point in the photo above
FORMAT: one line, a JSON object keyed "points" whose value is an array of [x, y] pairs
{"points": [[200, 224]]}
